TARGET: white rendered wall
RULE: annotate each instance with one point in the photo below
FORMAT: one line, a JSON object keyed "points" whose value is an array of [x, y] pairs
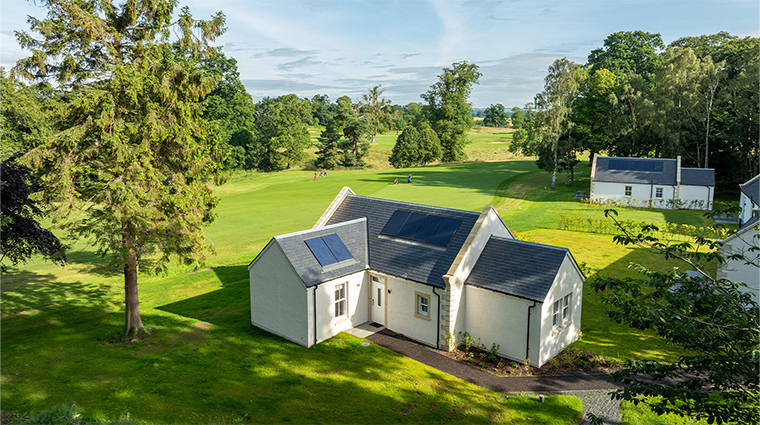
{"points": [[501, 319], [357, 306], [552, 340], [491, 224], [746, 205], [278, 296], [401, 305], [690, 195], [639, 193], [738, 271]]}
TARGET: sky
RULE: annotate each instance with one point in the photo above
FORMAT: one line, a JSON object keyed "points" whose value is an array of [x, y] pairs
{"points": [[341, 47]]}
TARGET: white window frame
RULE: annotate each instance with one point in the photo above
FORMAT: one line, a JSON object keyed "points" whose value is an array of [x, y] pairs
{"points": [[658, 191], [567, 308], [555, 315], [422, 305], [341, 300], [628, 191]]}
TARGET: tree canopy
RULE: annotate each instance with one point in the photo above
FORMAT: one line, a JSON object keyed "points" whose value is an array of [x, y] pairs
{"points": [[496, 116], [131, 155], [448, 110]]}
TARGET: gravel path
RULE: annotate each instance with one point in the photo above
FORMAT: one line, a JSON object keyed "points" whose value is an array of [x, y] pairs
{"points": [[600, 404], [594, 401]]}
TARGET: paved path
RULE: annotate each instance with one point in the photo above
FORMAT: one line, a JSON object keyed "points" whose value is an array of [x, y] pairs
{"points": [[590, 388]]}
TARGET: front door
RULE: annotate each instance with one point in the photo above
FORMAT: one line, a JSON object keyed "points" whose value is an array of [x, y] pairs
{"points": [[378, 299]]}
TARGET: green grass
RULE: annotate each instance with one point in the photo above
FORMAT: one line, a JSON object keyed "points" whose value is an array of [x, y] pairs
{"points": [[641, 415], [204, 362]]}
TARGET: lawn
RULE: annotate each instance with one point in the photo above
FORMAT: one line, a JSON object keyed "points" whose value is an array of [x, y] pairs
{"points": [[204, 362]]}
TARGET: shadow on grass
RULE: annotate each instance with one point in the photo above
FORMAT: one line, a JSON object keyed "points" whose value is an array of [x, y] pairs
{"points": [[30, 290], [204, 361]]}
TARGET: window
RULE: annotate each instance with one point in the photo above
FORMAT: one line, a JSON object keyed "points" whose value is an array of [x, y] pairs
{"points": [[555, 315], [566, 308], [340, 300], [658, 192], [628, 190], [422, 306]]}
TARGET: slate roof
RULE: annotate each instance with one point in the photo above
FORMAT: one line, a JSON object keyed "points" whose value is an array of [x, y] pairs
{"points": [[749, 223], [752, 189], [353, 234], [417, 261], [698, 176], [667, 176], [523, 269]]}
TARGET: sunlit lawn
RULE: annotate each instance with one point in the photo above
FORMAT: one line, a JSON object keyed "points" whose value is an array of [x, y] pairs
{"points": [[204, 362]]}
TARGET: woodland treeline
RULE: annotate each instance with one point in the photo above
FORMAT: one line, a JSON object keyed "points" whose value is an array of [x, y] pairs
{"points": [[696, 97]]}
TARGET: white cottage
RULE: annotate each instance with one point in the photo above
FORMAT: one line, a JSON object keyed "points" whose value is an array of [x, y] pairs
{"points": [[428, 273], [748, 236], [651, 182], [749, 201]]}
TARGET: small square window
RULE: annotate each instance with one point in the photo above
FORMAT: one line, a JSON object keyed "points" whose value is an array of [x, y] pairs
{"points": [[628, 190], [340, 300], [422, 306], [658, 192]]}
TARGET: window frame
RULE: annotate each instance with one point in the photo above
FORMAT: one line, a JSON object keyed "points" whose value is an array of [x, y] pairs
{"points": [[658, 192], [418, 312], [340, 301], [556, 314], [567, 308], [628, 191]]}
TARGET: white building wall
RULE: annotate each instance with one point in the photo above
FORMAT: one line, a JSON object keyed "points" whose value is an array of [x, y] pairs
{"points": [[490, 223], [738, 271], [357, 308], [496, 318], [278, 296], [639, 194], [746, 205], [552, 340], [401, 306], [697, 197]]}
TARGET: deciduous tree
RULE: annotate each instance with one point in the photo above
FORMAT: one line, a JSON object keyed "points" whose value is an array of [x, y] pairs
{"points": [[713, 320], [22, 235], [448, 109], [495, 116]]}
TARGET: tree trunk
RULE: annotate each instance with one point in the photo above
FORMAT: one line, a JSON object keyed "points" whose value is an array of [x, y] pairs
{"points": [[133, 322]]}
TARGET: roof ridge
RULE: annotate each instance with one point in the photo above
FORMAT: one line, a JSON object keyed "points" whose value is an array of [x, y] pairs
{"points": [[505, 239], [318, 229], [412, 203]]}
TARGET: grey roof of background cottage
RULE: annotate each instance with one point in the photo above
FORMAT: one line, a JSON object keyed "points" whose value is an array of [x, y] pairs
{"points": [[523, 269], [698, 176], [417, 261], [749, 223], [752, 189], [353, 234], [667, 176]]}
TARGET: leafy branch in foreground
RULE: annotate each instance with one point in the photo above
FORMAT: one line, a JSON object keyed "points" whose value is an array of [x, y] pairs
{"points": [[713, 320]]}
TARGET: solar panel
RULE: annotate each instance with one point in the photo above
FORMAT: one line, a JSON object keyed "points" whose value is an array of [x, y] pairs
{"points": [[649, 166], [658, 166], [630, 165], [428, 228], [445, 231], [412, 224], [613, 164], [336, 246], [394, 224], [321, 251], [641, 165]]}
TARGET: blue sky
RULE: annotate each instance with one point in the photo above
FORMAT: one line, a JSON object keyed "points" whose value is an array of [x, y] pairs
{"points": [[344, 47]]}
